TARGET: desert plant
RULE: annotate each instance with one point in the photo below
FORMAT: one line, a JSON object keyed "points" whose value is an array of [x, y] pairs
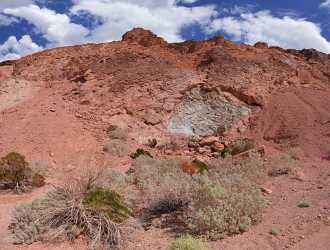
{"points": [[188, 243], [152, 143], [164, 185], [252, 167], [238, 146], [66, 213], [117, 148], [116, 133], [16, 174], [201, 166], [303, 204], [222, 205], [108, 202], [275, 231], [139, 152]]}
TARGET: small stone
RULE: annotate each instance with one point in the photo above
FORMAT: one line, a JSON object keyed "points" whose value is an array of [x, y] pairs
{"points": [[52, 110], [266, 190], [300, 176], [217, 146], [209, 141]]}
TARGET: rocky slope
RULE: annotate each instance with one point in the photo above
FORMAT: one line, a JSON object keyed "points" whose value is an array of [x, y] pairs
{"points": [[56, 106]]}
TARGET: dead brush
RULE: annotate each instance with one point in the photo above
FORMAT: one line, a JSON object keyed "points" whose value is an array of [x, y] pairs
{"points": [[64, 213]]}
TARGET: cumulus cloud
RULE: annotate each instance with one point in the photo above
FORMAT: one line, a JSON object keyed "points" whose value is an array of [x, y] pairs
{"points": [[286, 32], [13, 48], [6, 20], [13, 3], [164, 17], [56, 28], [109, 19], [325, 4]]}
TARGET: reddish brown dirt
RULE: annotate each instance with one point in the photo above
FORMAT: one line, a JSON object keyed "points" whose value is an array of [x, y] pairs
{"points": [[56, 105]]}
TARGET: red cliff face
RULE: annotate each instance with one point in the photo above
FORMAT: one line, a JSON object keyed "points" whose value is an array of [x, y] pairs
{"points": [[194, 87]]}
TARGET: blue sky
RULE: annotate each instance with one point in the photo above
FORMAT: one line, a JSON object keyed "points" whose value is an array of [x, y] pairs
{"points": [[28, 26]]}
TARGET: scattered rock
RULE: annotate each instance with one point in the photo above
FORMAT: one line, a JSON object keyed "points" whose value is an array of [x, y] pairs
{"points": [[207, 141], [266, 190]]}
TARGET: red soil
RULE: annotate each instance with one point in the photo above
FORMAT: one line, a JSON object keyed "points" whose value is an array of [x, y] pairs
{"points": [[56, 105]]}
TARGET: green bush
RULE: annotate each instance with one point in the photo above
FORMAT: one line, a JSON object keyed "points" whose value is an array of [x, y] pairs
{"points": [[66, 213], [188, 243], [223, 205], [108, 202], [139, 152], [16, 174]]}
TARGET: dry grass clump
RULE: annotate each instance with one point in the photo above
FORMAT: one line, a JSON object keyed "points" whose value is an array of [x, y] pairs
{"points": [[212, 204], [252, 167], [164, 186], [223, 205], [16, 174], [141, 152], [72, 210], [188, 243], [115, 132], [117, 148], [281, 164], [238, 146]]}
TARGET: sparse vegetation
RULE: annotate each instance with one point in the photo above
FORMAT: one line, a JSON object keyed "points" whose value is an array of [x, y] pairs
{"points": [[16, 174], [117, 148], [275, 231], [139, 152], [116, 133], [223, 205], [200, 165], [164, 185], [188, 243], [71, 210], [303, 204], [281, 164], [238, 146]]}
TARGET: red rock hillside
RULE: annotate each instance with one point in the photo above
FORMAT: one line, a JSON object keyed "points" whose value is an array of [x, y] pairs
{"points": [[57, 106]]}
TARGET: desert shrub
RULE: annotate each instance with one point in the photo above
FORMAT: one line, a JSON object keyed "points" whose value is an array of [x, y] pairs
{"points": [[117, 148], [194, 167], [238, 146], [108, 202], [188, 243], [39, 167], [16, 174], [201, 166], [165, 187], [223, 205], [280, 164], [114, 132], [67, 212], [139, 152], [252, 167], [152, 143]]}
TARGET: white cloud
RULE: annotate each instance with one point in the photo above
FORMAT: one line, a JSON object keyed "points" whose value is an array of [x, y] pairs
{"points": [[188, 1], [325, 4], [286, 32], [13, 48], [55, 28], [164, 17], [4, 4], [7, 20]]}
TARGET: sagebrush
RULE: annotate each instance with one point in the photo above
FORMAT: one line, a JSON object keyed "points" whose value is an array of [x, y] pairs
{"points": [[188, 243], [71, 210]]}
